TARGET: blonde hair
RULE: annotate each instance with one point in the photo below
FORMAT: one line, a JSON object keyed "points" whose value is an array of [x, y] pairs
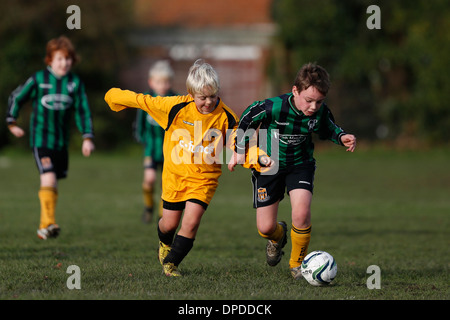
{"points": [[161, 68], [202, 76]]}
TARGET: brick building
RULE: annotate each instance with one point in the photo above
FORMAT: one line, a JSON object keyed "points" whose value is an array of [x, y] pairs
{"points": [[233, 35]]}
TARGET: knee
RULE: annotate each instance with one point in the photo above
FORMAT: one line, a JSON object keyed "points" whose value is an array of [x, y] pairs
{"points": [[168, 225], [301, 218], [49, 179], [189, 228], [266, 228]]}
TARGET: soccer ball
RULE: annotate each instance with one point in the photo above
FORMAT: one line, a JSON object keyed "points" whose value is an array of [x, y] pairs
{"points": [[319, 268]]}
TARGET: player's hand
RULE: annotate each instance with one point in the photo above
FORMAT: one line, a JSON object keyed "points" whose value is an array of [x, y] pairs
{"points": [[87, 147], [349, 141], [266, 161], [236, 159], [16, 131]]}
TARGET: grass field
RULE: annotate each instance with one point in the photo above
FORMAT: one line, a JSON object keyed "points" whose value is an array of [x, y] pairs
{"points": [[373, 207]]}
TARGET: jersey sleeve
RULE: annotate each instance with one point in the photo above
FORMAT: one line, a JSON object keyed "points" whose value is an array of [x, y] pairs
{"points": [[243, 140], [158, 107], [328, 129], [83, 117], [18, 98], [251, 118]]}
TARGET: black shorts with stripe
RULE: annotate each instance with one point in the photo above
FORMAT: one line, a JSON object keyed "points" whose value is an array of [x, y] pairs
{"points": [[268, 189], [48, 160]]}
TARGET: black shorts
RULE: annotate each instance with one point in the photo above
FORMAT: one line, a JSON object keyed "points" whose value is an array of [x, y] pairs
{"points": [[182, 204], [268, 189], [149, 163], [48, 160]]}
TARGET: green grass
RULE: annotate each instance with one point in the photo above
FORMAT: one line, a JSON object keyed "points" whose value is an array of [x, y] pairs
{"points": [[373, 207]]}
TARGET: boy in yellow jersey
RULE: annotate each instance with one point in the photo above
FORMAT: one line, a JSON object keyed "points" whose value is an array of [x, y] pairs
{"points": [[196, 128]]}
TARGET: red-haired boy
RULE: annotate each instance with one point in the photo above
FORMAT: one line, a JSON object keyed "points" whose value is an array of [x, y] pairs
{"points": [[55, 93]]}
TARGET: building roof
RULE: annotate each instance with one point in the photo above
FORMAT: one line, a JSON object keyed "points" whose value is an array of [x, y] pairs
{"points": [[202, 13]]}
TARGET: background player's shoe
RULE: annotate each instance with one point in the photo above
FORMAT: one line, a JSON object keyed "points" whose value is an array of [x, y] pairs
{"points": [[171, 270], [147, 215], [296, 272], [274, 251], [52, 231], [163, 251]]}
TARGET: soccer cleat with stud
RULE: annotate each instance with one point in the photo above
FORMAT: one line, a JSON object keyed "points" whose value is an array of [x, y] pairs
{"points": [[274, 250], [52, 231], [171, 270], [147, 215], [163, 251], [297, 272]]}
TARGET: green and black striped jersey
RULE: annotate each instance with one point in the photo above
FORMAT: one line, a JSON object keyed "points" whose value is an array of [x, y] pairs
{"points": [[54, 99], [148, 132], [281, 123]]}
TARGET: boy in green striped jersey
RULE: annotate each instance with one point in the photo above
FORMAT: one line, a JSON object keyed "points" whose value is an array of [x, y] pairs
{"points": [[286, 123], [148, 132], [55, 93]]}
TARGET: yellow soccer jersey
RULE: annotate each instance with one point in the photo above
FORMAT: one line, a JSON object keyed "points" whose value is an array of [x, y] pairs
{"points": [[193, 141]]}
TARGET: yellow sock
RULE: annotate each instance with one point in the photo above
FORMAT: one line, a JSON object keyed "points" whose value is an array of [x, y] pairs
{"points": [[274, 236], [160, 208], [300, 240], [148, 196], [48, 197]]}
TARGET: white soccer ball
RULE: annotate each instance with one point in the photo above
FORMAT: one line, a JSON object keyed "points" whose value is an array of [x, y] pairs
{"points": [[319, 268]]}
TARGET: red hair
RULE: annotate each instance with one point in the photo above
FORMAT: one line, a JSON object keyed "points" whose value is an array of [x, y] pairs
{"points": [[60, 44]]}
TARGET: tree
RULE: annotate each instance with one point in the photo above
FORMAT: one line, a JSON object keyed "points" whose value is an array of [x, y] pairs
{"points": [[390, 78], [26, 27]]}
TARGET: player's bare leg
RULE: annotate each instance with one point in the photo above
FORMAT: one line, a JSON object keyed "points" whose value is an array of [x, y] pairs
{"points": [[275, 232], [184, 240], [167, 226]]}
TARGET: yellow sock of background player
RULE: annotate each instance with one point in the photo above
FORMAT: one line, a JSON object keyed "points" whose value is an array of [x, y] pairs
{"points": [[48, 197], [160, 208], [148, 197], [300, 240]]}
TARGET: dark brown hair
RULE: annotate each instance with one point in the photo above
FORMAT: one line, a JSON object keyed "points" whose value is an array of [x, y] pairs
{"points": [[314, 75], [64, 44]]}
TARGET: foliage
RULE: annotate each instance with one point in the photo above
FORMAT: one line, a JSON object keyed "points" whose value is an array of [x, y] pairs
{"points": [[394, 77], [27, 26]]}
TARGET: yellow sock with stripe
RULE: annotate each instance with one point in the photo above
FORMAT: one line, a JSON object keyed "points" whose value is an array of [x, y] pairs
{"points": [[274, 236], [300, 240], [47, 197], [148, 196]]}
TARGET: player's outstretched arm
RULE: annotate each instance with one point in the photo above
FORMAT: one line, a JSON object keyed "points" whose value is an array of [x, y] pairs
{"points": [[118, 99]]}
